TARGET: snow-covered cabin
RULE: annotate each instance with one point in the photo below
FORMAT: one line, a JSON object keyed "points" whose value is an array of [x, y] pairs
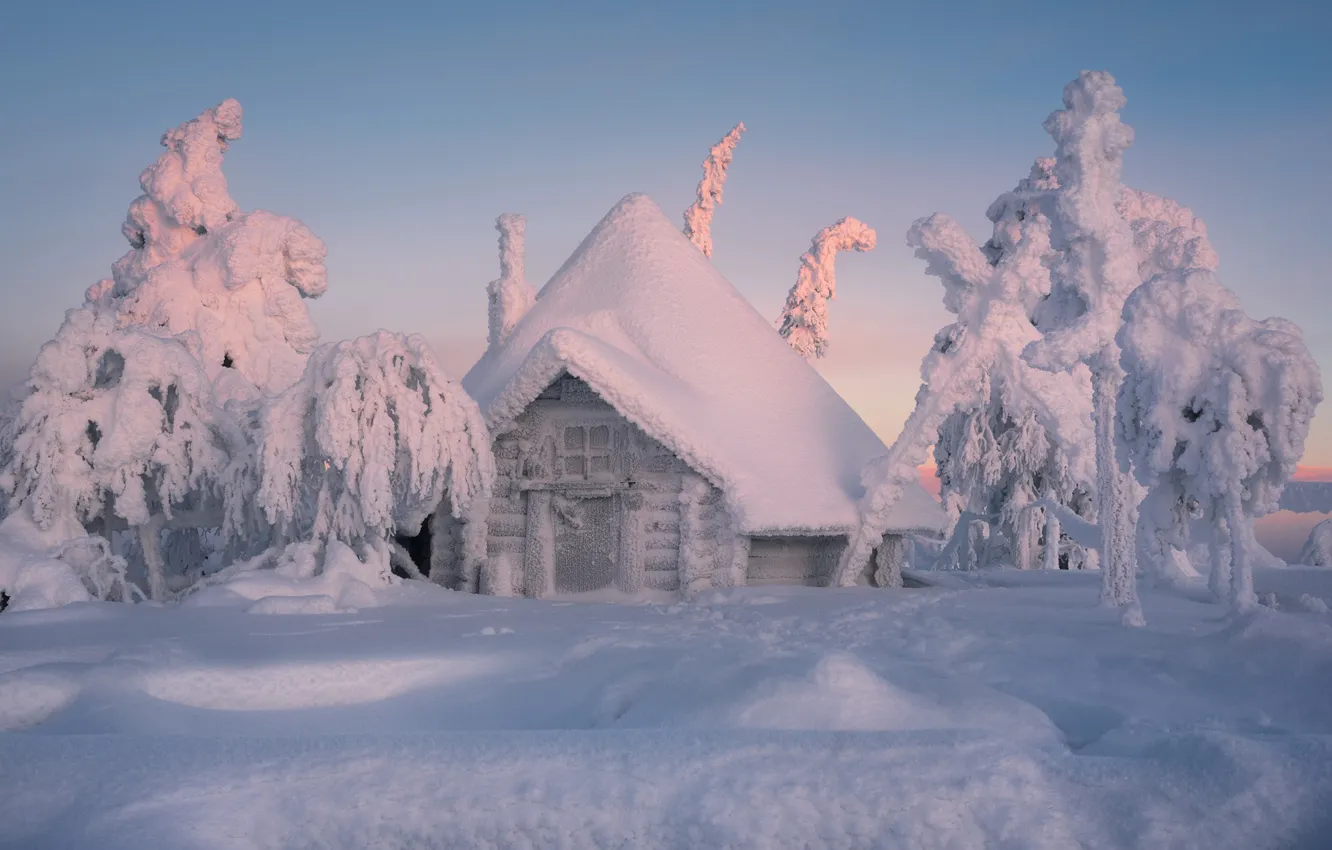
{"points": [[652, 430]]}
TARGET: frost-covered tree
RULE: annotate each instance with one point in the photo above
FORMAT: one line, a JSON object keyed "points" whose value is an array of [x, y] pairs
{"points": [[119, 428], [1096, 271], [957, 366], [372, 439], [1023, 434], [1317, 551], [510, 296], [1214, 412], [197, 263], [804, 319], [698, 218]]}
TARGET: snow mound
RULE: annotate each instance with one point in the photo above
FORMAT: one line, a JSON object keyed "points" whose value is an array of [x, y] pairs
{"points": [[284, 687], [641, 315], [298, 582], [1317, 550], [28, 576], [842, 693], [28, 697]]}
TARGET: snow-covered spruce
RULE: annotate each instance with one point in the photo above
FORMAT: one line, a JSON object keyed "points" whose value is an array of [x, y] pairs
{"points": [[1214, 413], [698, 218], [804, 319], [372, 439], [1022, 434], [197, 263], [1317, 551], [510, 296], [957, 365], [119, 428]]}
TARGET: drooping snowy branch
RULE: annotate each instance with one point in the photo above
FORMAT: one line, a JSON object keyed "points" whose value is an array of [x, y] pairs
{"points": [[199, 265], [372, 439], [1214, 412], [698, 218], [510, 296], [804, 319]]}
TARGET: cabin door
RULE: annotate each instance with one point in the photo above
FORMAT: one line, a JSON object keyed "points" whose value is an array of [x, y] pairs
{"points": [[587, 543]]}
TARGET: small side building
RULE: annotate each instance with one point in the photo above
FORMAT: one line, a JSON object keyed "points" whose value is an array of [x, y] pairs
{"points": [[652, 430]]}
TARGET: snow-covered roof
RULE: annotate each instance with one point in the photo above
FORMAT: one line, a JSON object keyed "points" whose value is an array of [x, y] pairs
{"points": [[645, 319]]}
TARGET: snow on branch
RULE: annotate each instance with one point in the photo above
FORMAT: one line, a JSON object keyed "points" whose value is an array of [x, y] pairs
{"points": [[804, 319], [1098, 259], [197, 264], [1214, 411], [119, 427], [698, 218], [510, 296], [372, 439]]}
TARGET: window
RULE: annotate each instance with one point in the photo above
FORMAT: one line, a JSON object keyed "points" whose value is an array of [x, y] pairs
{"points": [[587, 451]]}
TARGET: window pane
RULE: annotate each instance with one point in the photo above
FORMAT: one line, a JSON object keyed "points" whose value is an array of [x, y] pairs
{"points": [[573, 466], [598, 437], [600, 463], [573, 439]]}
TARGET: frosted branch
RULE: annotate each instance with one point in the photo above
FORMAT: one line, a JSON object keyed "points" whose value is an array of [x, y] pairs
{"points": [[804, 319], [698, 218]]}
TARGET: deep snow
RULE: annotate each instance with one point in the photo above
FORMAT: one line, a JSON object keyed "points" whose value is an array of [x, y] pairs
{"points": [[1004, 709]]}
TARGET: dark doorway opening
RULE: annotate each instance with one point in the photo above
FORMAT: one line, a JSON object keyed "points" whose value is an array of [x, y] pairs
{"points": [[417, 547]]}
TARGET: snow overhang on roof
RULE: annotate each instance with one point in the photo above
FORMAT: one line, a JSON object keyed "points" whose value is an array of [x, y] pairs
{"points": [[648, 322]]}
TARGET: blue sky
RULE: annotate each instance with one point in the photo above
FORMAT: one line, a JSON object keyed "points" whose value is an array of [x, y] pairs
{"points": [[399, 132]]}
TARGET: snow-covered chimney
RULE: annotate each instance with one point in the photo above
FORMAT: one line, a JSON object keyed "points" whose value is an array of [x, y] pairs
{"points": [[510, 296]]}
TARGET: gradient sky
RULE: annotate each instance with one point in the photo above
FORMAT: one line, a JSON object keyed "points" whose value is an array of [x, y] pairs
{"points": [[398, 133]]}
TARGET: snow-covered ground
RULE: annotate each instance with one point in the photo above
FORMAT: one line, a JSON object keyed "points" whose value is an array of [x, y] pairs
{"points": [[1000, 709]]}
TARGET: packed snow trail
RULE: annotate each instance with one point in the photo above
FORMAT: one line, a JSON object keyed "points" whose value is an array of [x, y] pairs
{"points": [[1004, 710]]}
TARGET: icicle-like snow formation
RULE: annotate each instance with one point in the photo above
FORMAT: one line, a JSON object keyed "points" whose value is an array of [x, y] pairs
{"points": [[371, 440], [1317, 551], [698, 218], [804, 319], [198, 264], [1214, 412], [510, 296]]}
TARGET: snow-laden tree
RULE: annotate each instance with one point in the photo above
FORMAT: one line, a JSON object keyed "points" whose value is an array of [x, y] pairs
{"points": [[119, 428], [510, 296], [372, 439], [698, 218], [804, 319], [1317, 551], [1024, 434], [958, 365], [197, 263], [1096, 271], [1214, 412]]}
